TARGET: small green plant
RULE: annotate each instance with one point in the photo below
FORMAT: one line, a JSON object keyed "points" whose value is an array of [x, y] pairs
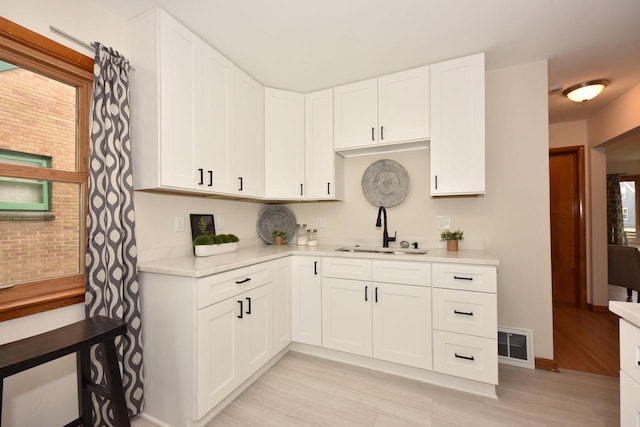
{"points": [[277, 232], [451, 235], [216, 239]]}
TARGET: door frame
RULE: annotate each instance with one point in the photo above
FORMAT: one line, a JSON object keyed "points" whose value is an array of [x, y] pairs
{"points": [[579, 216]]}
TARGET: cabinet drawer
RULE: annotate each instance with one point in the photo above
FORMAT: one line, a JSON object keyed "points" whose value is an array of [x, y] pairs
{"points": [[629, 401], [472, 313], [465, 356], [402, 272], [630, 349], [218, 287], [464, 277], [346, 268]]}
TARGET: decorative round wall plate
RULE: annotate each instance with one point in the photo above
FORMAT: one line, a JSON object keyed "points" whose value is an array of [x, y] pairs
{"points": [[385, 183], [273, 217]]}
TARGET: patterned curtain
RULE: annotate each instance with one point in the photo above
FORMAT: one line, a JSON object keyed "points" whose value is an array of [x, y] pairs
{"points": [[112, 276], [615, 223]]}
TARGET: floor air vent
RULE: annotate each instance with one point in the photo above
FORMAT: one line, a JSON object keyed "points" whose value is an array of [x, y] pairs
{"points": [[515, 346]]}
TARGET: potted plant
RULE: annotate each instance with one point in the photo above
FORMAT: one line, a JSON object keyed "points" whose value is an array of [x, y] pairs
{"points": [[452, 238], [279, 236], [208, 244]]}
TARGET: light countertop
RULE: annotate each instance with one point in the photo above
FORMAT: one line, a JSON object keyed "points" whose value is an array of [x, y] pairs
{"points": [[192, 266], [629, 311]]}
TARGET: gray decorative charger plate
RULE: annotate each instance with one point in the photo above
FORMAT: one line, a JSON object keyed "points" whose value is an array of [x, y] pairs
{"points": [[273, 217], [385, 183]]}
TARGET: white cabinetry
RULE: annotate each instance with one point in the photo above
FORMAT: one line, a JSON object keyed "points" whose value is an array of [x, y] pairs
{"points": [[387, 321], [629, 374], [282, 303], [387, 110], [204, 337], [284, 144], [247, 113], [324, 170], [199, 122], [307, 297], [465, 321], [457, 127]]}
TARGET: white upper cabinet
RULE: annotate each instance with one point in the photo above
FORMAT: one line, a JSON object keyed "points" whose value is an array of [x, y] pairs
{"points": [[387, 110], [199, 122], [457, 127], [324, 170], [247, 157], [284, 144]]}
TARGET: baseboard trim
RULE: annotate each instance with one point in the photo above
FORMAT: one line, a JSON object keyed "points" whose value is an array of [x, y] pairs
{"points": [[546, 364]]}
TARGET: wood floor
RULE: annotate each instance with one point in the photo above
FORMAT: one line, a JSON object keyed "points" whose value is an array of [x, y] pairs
{"points": [[588, 341], [302, 390]]}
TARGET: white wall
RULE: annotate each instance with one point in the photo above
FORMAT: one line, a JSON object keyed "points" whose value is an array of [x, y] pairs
{"points": [[46, 395]]}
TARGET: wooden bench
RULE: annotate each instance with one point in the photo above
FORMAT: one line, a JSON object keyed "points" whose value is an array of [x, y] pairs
{"points": [[77, 337]]}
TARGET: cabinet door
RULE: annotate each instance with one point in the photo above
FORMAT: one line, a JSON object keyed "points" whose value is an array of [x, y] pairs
{"points": [[319, 155], [281, 287], [346, 315], [247, 157], [284, 144], [307, 300], [213, 118], [402, 324], [403, 106], [629, 401], [457, 127], [257, 341], [181, 154], [218, 353], [355, 114]]}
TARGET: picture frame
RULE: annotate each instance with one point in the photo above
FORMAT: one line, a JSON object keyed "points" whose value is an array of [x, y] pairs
{"points": [[195, 227]]}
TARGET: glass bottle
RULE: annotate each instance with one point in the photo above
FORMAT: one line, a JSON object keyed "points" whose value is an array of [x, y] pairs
{"points": [[312, 237], [301, 235]]}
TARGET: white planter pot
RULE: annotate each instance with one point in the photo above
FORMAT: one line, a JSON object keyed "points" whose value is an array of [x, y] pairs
{"points": [[208, 250]]}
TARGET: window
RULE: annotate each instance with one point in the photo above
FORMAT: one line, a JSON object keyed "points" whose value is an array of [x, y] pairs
{"points": [[630, 203], [45, 91], [18, 194]]}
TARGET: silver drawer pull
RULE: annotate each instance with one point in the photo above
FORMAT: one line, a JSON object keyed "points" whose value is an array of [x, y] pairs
{"points": [[459, 356], [243, 281], [462, 278], [466, 313]]}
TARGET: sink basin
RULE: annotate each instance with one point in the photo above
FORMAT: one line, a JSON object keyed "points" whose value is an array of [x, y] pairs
{"points": [[380, 250]]}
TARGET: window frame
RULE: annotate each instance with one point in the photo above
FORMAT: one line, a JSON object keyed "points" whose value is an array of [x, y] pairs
{"points": [[636, 179], [30, 50], [41, 161]]}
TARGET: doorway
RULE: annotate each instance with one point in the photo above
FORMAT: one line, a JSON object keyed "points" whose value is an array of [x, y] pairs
{"points": [[568, 248]]}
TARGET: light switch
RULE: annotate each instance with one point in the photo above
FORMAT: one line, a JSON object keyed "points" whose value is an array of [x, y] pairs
{"points": [[444, 222], [321, 222], [178, 224], [219, 220]]}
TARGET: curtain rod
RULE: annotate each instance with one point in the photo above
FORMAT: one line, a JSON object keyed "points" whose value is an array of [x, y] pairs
{"points": [[76, 40]]}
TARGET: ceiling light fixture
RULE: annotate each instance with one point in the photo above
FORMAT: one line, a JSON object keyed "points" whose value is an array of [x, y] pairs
{"points": [[585, 91]]}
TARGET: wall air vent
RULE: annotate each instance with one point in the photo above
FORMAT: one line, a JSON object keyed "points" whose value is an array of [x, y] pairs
{"points": [[515, 347]]}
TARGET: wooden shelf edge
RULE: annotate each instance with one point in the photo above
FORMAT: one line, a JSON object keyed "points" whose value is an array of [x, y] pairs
{"points": [[16, 303]]}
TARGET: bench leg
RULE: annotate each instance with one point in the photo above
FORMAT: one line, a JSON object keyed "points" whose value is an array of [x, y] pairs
{"points": [[85, 407], [118, 403]]}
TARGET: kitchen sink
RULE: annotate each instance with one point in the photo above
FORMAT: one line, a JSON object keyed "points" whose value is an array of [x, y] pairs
{"points": [[380, 250]]}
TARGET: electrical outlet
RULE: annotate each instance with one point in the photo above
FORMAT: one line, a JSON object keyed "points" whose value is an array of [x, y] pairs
{"points": [[443, 222], [321, 222], [219, 219], [178, 224]]}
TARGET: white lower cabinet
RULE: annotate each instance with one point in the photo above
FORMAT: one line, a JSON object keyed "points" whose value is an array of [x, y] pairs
{"points": [[465, 324], [234, 340], [629, 374], [282, 303], [386, 321], [307, 295]]}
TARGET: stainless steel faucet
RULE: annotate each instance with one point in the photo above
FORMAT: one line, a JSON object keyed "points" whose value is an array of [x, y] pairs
{"points": [[385, 234]]}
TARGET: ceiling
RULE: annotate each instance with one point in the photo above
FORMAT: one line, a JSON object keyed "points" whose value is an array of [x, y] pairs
{"points": [[305, 45]]}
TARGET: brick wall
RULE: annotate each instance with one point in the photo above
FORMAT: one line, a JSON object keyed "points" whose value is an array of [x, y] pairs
{"points": [[38, 116]]}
